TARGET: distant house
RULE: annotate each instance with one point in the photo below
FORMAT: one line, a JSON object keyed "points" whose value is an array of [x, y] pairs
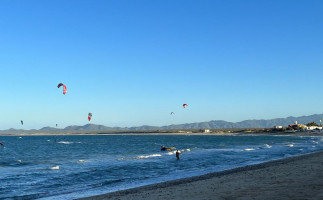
{"points": [[297, 126], [206, 131]]}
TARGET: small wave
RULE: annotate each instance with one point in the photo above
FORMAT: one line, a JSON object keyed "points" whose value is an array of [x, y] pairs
{"points": [[80, 161], [148, 156], [250, 149], [56, 167], [290, 145], [268, 146], [65, 142]]}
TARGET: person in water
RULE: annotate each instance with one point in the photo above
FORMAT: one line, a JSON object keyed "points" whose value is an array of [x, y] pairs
{"points": [[1, 144], [177, 154]]}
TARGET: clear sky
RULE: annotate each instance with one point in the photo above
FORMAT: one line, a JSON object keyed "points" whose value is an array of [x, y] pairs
{"points": [[131, 63]]}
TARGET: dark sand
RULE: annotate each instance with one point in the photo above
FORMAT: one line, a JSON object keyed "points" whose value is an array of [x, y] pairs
{"points": [[298, 177]]}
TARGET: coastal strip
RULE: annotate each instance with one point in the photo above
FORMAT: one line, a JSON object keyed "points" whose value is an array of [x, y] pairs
{"points": [[299, 177]]}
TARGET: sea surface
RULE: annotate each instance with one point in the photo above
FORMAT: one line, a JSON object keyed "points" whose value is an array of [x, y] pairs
{"points": [[38, 167]]}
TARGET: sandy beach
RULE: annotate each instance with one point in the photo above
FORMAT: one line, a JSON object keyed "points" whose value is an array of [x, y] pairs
{"points": [[298, 177]]}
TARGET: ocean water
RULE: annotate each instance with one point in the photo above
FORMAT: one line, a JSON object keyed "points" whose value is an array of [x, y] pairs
{"points": [[37, 167]]}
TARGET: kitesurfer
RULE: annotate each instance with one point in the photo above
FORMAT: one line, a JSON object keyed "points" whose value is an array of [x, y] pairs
{"points": [[162, 148], [177, 154], [1, 144]]}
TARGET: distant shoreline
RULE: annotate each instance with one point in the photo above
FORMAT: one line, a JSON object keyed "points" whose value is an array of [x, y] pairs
{"points": [[169, 133]]}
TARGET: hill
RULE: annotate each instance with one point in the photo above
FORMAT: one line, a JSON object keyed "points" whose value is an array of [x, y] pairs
{"points": [[214, 124]]}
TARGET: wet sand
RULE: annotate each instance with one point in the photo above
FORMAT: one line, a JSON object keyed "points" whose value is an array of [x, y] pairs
{"points": [[298, 177]]}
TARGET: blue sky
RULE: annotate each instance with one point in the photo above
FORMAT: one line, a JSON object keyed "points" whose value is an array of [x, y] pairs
{"points": [[131, 63]]}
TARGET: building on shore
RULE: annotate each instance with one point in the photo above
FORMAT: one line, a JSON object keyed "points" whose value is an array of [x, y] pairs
{"points": [[314, 128]]}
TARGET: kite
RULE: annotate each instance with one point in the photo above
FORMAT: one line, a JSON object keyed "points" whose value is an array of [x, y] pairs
{"points": [[22, 122], [64, 86], [89, 116], [184, 105]]}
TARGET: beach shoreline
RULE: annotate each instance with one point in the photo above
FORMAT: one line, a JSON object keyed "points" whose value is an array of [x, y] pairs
{"points": [[170, 133], [297, 177]]}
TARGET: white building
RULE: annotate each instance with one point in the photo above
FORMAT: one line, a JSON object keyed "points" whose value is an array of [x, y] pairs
{"points": [[310, 128]]}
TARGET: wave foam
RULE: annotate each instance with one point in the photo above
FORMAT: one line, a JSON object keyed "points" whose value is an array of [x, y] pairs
{"points": [[56, 167], [65, 142], [148, 156]]}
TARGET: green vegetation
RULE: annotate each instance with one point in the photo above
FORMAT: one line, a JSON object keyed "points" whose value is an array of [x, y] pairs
{"points": [[312, 124]]}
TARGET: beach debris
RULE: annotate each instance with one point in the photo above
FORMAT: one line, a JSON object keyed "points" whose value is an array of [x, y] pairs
{"points": [[89, 116], [22, 122], [184, 105], [64, 87]]}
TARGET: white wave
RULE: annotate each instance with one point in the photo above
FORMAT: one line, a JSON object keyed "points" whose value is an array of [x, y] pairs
{"points": [[268, 146], [20, 137], [65, 142], [80, 161], [56, 167], [188, 149], [171, 152], [250, 149], [148, 156], [19, 161], [290, 145]]}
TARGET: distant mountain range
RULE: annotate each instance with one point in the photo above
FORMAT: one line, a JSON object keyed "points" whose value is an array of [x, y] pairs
{"points": [[214, 124]]}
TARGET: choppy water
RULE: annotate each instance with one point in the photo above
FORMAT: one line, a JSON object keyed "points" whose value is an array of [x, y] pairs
{"points": [[34, 167]]}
